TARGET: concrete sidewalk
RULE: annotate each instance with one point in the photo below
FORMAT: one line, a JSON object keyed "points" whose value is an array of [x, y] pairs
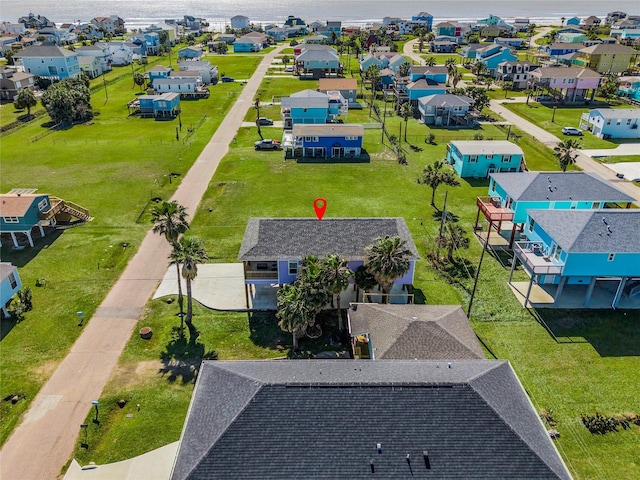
{"points": [[42, 443]]}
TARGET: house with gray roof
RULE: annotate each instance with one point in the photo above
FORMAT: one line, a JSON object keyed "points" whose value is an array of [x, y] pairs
{"points": [[363, 420], [312, 107], [273, 247], [480, 158], [445, 110], [13, 81], [512, 195], [49, 61], [612, 122], [584, 248], [411, 332], [317, 63]]}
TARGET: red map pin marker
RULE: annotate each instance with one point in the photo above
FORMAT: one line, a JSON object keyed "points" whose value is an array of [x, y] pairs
{"points": [[320, 206]]}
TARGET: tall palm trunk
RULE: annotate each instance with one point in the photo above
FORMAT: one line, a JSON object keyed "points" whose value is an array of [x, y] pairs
{"points": [[295, 340], [180, 298], [340, 325], [189, 305]]}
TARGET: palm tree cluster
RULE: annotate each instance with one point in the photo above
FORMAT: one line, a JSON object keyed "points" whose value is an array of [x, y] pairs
{"points": [[319, 280], [435, 175], [170, 220]]}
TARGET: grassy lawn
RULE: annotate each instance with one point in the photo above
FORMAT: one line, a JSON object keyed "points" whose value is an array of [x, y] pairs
{"points": [[620, 159], [113, 165], [591, 367], [541, 116]]}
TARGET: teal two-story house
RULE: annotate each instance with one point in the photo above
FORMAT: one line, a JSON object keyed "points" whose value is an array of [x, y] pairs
{"points": [[479, 158], [585, 248], [493, 55], [49, 61], [312, 107], [512, 195]]}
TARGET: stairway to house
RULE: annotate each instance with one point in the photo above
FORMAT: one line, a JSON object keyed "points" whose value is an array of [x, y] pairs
{"points": [[77, 211]]}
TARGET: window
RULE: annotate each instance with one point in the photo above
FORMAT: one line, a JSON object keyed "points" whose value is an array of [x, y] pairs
{"points": [[557, 252], [473, 159], [611, 257], [12, 281], [293, 267], [42, 204], [506, 158], [595, 205], [609, 122], [489, 157], [619, 121], [628, 121], [10, 219], [532, 224]]}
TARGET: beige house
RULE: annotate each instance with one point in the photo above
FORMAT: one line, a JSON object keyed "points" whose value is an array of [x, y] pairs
{"points": [[607, 58]]}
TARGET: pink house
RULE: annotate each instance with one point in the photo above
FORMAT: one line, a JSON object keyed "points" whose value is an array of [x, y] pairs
{"points": [[572, 84]]}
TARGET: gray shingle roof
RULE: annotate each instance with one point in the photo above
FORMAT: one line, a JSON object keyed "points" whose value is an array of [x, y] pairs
{"points": [[585, 230], [310, 55], [575, 186], [487, 147], [446, 100], [47, 51], [293, 238], [407, 332], [313, 419], [305, 99], [615, 113]]}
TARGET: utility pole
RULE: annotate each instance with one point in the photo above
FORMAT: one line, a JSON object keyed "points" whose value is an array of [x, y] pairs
{"points": [[475, 282]]}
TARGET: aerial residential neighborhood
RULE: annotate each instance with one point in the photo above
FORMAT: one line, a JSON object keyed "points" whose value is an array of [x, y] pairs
{"points": [[310, 249]]}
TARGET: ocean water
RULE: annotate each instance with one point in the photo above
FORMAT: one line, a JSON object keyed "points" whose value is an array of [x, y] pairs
{"points": [[350, 12]]}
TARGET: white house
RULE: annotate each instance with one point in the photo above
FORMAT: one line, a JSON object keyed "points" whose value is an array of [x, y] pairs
{"points": [[239, 22], [612, 122]]}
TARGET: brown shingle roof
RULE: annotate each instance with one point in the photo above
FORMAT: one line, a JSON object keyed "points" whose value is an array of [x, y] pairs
{"points": [[337, 84], [15, 205]]}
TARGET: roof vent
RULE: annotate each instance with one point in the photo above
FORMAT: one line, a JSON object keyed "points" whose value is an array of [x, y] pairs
{"points": [[549, 178], [609, 231], [379, 447], [449, 364], [372, 466], [414, 318], [427, 463], [550, 188], [604, 220]]}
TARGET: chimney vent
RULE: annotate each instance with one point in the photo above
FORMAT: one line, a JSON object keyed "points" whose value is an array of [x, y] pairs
{"points": [[379, 447], [449, 364]]}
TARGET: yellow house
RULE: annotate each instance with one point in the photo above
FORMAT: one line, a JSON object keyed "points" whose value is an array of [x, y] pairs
{"points": [[607, 58]]}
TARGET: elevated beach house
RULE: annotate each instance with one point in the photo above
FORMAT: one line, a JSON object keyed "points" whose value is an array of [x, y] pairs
{"points": [[272, 248], [312, 107], [446, 110], [49, 61], [612, 122], [479, 158], [512, 195], [571, 84], [334, 140], [585, 248]]}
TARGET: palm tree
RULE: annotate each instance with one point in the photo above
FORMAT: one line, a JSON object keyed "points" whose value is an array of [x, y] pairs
{"points": [[388, 259], [188, 252], [453, 237], [170, 219], [336, 273], [566, 154], [404, 69], [406, 110], [430, 61], [434, 175], [292, 313], [450, 63], [312, 284], [364, 280], [455, 76]]}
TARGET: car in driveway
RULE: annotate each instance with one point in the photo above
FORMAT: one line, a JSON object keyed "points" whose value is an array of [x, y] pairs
{"points": [[288, 69], [267, 144], [572, 131], [264, 121], [226, 79]]}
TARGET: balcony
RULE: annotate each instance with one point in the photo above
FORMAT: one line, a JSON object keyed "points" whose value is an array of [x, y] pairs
{"points": [[261, 271], [493, 211], [535, 260]]}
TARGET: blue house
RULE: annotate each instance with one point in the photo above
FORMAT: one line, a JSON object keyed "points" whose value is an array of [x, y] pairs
{"points": [[470, 50], [493, 55], [193, 52], [23, 209], [10, 283], [247, 43], [318, 63], [629, 87], [327, 141], [158, 72], [575, 21], [49, 61], [424, 17], [479, 158], [512, 195], [273, 247], [311, 107], [436, 73], [612, 122], [445, 110], [510, 42], [584, 248], [166, 105], [557, 49]]}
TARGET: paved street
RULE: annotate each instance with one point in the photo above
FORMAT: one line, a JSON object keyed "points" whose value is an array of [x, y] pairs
{"points": [[41, 445]]}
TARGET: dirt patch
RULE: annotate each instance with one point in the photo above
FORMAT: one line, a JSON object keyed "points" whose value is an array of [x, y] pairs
{"points": [[127, 376], [45, 370]]}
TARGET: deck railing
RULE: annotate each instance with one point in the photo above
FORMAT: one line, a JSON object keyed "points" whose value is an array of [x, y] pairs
{"points": [[490, 207], [535, 260]]}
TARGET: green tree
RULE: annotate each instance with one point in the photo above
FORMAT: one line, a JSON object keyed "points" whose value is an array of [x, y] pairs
{"points": [[453, 237], [189, 252], [404, 69], [170, 219], [364, 280], [388, 259], [506, 86], [430, 61], [292, 313], [455, 77], [565, 153], [435, 175], [479, 97], [406, 111], [313, 285], [67, 101], [139, 79], [8, 55], [26, 99], [609, 85], [336, 274], [450, 63]]}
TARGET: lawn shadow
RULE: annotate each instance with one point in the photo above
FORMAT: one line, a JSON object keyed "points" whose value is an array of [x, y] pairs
{"points": [[363, 158], [476, 182], [183, 356], [612, 333], [265, 332], [22, 257]]}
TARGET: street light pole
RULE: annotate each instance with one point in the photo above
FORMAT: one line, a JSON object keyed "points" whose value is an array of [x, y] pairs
{"points": [[553, 116], [95, 404]]}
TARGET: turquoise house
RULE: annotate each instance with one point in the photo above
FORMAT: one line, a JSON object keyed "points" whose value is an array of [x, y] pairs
{"points": [[575, 21], [166, 105], [479, 158], [512, 195], [436, 73], [311, 107], [10, 283], [493, 55], [49, 61], [629, 87], [585, 248]]}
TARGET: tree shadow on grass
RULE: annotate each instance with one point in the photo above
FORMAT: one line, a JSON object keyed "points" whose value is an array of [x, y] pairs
{"points": [[265, 331], [183, 357], [612, 333]]}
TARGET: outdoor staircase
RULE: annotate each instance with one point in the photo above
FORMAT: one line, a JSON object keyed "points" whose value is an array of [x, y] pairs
{"points": [[59, 206]]}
